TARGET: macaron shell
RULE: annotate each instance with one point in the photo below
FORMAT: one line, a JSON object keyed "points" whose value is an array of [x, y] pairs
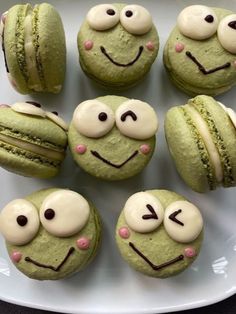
{"points": [[156, 245], [39, 248]]}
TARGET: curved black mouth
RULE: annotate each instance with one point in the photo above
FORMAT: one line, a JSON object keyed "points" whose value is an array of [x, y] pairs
{"points": [[103, 50], [56, 269], [156, 267], [97, 155], [202, 68]]}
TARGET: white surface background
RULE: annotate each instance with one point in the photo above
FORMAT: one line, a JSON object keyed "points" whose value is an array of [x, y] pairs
{"points": [[108, 285]]}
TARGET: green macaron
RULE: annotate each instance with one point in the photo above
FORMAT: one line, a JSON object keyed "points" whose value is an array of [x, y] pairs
{"points": [[159, 233], [200, 52], [112, 137], [32, 141], [51, 233], [201, 136], [34, 48], [117, 44]]}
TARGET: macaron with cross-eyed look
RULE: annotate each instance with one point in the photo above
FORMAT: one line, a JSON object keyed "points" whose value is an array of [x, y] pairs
{"points": [[200, 53], [113, 137], [51, 234], [33, 142], [117, 44], [159, 233]]}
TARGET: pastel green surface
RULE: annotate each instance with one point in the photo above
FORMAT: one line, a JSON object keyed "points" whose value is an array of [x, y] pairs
{"points": [[184, 72], [188, 149], [123, 47], [49, 47], [157, 246], [113, 146], [39, 131], [51, 250]]}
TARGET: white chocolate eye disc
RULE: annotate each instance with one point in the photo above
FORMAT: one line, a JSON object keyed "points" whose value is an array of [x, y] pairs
{"points": [[227, 33], [143, 212], [136, 19], [93, 118], [183, 221], [102, 17], [28, 109], [136, 119], [231, 113], [64, 213], [197, 22], [56, 119], [19, 222]]}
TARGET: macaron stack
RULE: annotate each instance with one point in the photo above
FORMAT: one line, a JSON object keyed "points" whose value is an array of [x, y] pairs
{"points": [[54, 233]]}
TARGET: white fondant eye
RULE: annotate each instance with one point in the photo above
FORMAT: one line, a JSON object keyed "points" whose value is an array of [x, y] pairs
{"points": [[93, 118], [136, 19], [197, 22], [64, 213], [231, 113], [227, 33], [136, 119], [53, 116], [28, 108], [143, 212], [19, 222], [103, 17], [183, 221]]}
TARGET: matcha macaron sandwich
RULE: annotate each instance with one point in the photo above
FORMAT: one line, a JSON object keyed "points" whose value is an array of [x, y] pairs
{"points": [[33, 43], [32, 141], [51, 234], [113, 137], [159, 233], [201, 136], [117, 44], [200, 52]]}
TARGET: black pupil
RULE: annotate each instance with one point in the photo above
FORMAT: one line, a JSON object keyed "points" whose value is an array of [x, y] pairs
{"points": [[111, 12], [22, 220], [34, 103], [102, 116], [232, 24], [209, 19], [56, 113], [49, 214], [128, 13]]}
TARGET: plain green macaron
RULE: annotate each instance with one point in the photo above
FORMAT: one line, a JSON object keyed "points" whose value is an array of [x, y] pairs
{"points": [[159, 233], [201, 136], [51, 234], [32, 141], [34, 47], [116, 48]]}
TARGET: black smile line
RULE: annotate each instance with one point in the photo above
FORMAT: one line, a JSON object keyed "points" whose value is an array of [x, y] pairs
{"points": [[103, 50], [30, 260], [156, 267], [97, 155], [202, 68]]}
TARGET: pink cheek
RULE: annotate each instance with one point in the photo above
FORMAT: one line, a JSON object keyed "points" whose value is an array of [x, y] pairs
{"points": [[179, 47], [16, 257], [83, 243], [4, 106], [3, 18], [80, 149], [124, 233], [145, 149], [150, 45], [234, 64], [190, 252], [88, 45]]}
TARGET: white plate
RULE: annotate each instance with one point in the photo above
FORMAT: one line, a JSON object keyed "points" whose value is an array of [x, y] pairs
{"points": [[108, 285]]}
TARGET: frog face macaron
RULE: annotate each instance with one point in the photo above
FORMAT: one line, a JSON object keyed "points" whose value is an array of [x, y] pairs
{"points": [[200, 54], [117, 44], [32, 141], [50, 234], [159, 233], [111, 137]]}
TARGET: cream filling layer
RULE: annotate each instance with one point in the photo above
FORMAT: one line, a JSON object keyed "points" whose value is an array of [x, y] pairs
{"points": [[45, 152], [30, 55], [212, 150]]}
